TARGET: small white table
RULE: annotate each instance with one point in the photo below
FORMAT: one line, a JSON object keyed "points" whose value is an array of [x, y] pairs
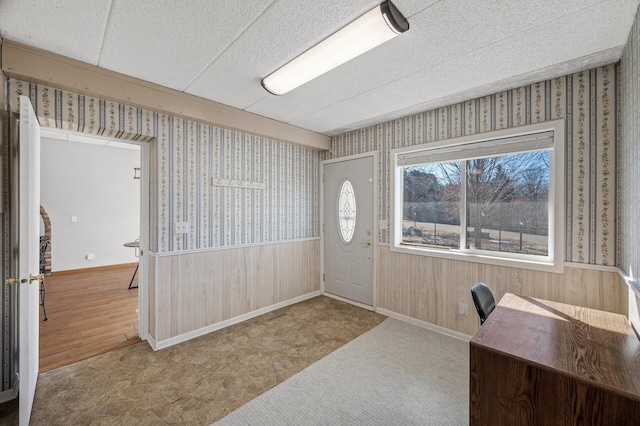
{"points": [[133, 244]]}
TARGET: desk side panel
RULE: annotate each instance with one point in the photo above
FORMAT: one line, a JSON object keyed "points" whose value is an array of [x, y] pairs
{"points": [[508, 391]]}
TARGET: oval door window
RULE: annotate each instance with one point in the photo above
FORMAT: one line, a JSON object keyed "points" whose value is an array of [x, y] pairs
{"points": [[346, 211]]}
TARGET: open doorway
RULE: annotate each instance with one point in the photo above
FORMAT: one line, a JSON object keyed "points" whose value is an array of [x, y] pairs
{"points": [[91, 191]]}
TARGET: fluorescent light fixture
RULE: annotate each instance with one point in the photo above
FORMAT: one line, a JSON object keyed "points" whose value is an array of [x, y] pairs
{"points": [[368, 31]]}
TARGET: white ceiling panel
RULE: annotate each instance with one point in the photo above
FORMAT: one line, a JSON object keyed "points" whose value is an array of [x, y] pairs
{"points": [[171, 43], [273, 40], [427, 44], [221, 49], [434, 86], [492, 68], [72, 28], [408, 8]]}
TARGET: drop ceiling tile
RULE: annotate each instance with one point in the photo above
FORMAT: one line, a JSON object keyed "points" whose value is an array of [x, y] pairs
{"points": [[522, 55], [455, 50], [171, 43], [428, 43], [285, 30], [408, 8], [67, 27]]}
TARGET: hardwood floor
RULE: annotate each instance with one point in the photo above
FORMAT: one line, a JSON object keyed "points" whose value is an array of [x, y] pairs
{"points": [[89, 313]]}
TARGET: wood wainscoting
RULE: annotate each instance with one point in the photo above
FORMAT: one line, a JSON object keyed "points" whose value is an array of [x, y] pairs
{"points": [[195, 291], [430, 289]]}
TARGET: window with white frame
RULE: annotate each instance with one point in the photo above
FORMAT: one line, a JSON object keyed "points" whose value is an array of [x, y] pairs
{"points": [[494, 197]]}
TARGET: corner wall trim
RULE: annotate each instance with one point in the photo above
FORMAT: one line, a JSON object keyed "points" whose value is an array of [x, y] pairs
{"points": [[238, 246], [424, 324], [631, 283], [603, 268], [162, 344], [152, 342]]}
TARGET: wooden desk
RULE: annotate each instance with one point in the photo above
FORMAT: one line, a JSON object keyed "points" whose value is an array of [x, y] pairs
{"points": [[536, 362]]}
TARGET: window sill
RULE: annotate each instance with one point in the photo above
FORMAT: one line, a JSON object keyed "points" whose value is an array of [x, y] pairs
{"points": [[555, 267]]}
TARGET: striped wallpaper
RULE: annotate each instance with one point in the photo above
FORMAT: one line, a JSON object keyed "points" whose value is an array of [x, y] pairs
{"points": [[271, 188], [629, 172], [7, 354], [588, 103]]}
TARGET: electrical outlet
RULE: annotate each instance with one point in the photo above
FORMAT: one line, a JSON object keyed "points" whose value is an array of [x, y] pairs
{"points": [[181, 227], [462, 309]]}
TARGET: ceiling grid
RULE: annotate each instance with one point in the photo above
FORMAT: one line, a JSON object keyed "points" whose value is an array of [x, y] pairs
{"points": [[220, 50]]}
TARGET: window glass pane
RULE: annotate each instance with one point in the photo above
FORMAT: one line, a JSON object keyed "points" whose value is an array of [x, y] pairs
{"points": [[431, 205], [346, 211], [507, 200]]}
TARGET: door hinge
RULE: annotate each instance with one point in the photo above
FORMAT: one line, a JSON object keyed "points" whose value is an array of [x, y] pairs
{"points": [[323, 277], [323, 227], [323, 178]]}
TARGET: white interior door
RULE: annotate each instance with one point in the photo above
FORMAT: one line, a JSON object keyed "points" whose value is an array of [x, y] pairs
{"points": [[348, 231], [28, 252]]}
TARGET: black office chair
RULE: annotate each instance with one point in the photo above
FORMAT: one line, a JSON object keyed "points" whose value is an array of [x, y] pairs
{"points": [[484, 301], [44, 243]]}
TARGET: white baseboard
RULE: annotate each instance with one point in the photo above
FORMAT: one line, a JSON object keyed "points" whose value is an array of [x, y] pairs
{"points": [[152, 342], [9, 394], [424, 324], [231, 321], [351, 302]]}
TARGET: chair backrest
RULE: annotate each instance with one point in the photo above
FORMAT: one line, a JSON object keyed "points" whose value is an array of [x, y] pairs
{"points": [[484, 301]]}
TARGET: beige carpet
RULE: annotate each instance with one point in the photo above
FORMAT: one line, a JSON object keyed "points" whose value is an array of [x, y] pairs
{"points": [[395, 374]]}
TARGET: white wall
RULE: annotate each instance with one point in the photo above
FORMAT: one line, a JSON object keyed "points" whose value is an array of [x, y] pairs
{"points": [[629, 172], [95, 184]]}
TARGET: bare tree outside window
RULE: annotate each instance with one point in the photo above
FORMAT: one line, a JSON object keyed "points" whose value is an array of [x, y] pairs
{"points": [[432, 205], [508, 194], [507, 201]]}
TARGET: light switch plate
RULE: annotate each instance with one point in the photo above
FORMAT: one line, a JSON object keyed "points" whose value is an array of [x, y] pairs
{"points": [[462, 309], [181, 227]]}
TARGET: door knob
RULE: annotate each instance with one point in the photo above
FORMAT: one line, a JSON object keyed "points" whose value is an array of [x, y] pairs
{"points": [[12, 281], [39, 277], [367, 243]]}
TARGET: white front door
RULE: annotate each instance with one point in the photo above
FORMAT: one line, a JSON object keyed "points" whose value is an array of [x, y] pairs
{"points": [[348, 229], [29, 258]]}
